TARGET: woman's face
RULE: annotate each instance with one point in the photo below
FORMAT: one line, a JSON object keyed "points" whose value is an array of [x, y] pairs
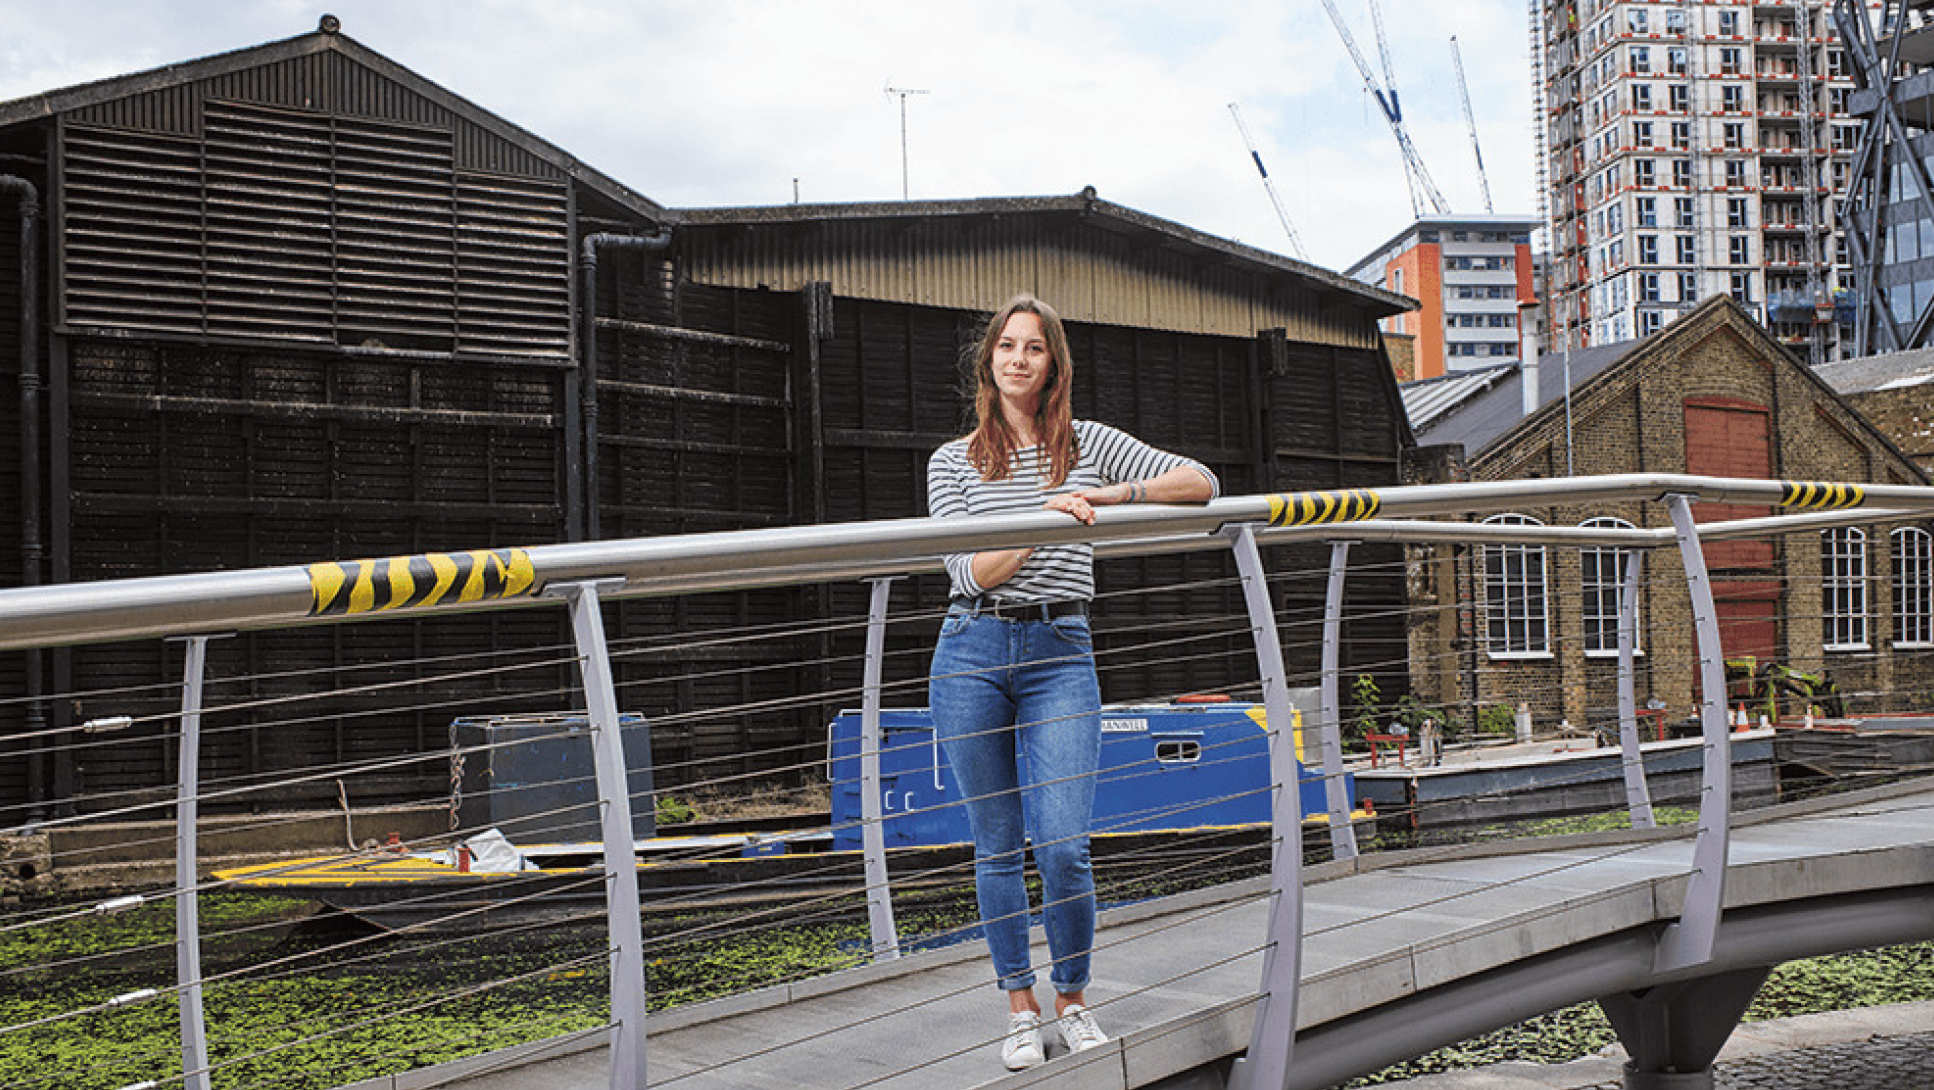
{"points": [[1021, 359]]}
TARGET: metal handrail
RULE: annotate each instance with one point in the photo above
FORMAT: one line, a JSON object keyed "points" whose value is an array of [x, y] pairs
{"points": [[43, 616], [582, 574]]}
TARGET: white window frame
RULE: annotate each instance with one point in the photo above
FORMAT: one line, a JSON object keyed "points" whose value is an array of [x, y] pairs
{"points": [[1509, 602], [1599, 587], [1913, 579], [1843, 589]]}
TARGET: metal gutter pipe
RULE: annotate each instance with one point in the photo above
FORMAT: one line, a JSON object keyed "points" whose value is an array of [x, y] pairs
{"points": [[588, 391], [31, 552]]}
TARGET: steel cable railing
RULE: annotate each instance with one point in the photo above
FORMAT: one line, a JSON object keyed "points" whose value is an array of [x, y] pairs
{"points": [[1587, 722]]}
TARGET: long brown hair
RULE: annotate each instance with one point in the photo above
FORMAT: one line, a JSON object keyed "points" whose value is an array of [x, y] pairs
{"points": [[991, 447]]}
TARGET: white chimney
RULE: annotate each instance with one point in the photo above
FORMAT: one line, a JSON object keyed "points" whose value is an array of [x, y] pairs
{"points": [[1528, 356]]}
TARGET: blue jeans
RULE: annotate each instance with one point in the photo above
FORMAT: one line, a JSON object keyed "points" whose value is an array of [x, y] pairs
{"points": [[1018, 708]]}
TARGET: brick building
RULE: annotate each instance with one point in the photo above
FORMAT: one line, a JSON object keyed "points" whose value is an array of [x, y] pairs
{"points": [[1895, 391], [1714, 394]]}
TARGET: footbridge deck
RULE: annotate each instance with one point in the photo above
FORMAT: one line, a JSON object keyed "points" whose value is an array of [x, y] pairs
{"points": [[1402, 952]]}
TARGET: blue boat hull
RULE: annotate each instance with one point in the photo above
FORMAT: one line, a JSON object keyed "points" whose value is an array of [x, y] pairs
{"points": [[1163, 767]]}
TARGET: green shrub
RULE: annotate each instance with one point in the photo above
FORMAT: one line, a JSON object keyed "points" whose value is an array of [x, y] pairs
{"points": [[673, 810]]}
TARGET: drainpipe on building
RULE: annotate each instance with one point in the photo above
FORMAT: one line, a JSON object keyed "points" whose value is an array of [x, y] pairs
{"points": [[588, 391], [34, 722]]}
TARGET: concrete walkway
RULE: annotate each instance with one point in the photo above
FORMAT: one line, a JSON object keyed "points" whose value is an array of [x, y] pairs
{"points": [[1175, 980]]}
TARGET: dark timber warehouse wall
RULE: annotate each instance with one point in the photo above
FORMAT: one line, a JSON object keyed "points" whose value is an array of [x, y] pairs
{"points": [[298, 303]]}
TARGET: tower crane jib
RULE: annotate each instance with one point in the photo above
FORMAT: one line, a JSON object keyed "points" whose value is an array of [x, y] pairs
{"points": [[1424, 193]]}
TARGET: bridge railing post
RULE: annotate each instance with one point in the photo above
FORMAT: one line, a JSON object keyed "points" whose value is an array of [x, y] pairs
{"points": [[194, 1026], [1689, 941], [879, 895], [1638, 797], [621, 902], [1336, 790], [1273, 1039]]}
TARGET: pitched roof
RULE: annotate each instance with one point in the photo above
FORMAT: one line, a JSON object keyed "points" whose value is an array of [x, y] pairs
{"points": [[1427, 400], [1477, 408], [66, 99], [1105, 214], [1888, 371], [1590, 366]]}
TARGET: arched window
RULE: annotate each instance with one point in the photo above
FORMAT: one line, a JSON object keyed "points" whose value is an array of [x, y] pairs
{"points": [[1601, 572], [1515, 618], [1913, 587], [1843, 589]]}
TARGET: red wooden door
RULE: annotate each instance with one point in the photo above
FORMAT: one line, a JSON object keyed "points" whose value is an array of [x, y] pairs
{"points": [[1730, 438]]}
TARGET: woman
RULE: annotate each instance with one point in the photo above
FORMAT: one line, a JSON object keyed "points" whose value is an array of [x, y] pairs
{"points": [[1014, 673]]}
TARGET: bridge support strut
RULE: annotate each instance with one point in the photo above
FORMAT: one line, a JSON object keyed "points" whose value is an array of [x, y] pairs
{"points": [[1688, 942], [1638, 798], [1335, 790], [1266, 1065], [1672, 1032], [622, 910], [879, 896], [194, 1026]]}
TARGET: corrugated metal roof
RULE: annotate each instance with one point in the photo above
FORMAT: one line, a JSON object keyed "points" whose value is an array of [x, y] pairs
{"points": [[1476, 413], [1890, 370], [1105, 214], [1426, 400], [238, 62]]}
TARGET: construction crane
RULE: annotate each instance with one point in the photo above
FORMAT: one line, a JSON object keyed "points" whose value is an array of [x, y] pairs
{"points": [[1295, 240], [1470, 122], [1423, 191]]}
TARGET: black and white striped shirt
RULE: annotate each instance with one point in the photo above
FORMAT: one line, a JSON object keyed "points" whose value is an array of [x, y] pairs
{"points": [[1052, 572]]}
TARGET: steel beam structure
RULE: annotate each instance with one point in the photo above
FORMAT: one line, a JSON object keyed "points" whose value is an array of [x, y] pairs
{"points": [[1890, 184]]}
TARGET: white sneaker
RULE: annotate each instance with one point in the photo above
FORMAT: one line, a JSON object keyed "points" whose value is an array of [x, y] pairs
{"points": [[1023, 1049], [1079, 1029]]}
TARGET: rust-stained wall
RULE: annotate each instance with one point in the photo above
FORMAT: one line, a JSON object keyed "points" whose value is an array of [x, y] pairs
{"points": [[977, 262]]}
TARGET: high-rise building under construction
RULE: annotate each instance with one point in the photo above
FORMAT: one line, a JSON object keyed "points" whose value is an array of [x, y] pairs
{"points": [[1689, 149]]}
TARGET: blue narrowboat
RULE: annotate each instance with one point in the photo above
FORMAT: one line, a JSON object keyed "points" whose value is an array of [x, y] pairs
{"points": [[1163, 767]]}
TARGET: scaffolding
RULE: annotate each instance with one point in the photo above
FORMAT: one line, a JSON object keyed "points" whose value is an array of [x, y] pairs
{"points": [[1691, 151]]}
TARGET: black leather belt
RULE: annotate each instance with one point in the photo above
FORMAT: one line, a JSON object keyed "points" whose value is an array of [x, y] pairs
{"points": [[1024, 611]]}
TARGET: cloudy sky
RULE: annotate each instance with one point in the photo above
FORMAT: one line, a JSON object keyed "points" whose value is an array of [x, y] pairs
{"points": [[696, 102]]}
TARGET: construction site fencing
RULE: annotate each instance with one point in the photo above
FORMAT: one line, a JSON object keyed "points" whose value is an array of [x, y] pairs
{"points": [[583, 945]]}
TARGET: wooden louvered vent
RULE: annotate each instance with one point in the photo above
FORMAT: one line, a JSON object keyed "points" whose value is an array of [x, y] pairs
{"points": [[299, 226]]}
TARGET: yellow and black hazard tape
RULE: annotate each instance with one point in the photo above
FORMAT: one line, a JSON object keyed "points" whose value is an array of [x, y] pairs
{"points": [[1821, 495], [369, 586], [1314, 508]]}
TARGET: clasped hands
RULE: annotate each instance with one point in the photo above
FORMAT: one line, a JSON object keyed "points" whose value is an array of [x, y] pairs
{"points": [[1081, 505]]}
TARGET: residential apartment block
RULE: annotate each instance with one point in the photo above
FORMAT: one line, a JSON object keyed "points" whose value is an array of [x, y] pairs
{"points": [[1695, 149], [1469, 273]]}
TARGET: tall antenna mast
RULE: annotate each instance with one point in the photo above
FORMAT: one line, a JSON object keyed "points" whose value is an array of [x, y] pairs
{"points": [[1470, 122], [1295, 241], [903, 92]]}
